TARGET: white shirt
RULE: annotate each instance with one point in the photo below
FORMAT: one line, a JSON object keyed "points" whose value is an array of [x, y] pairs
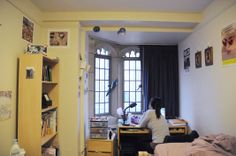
{"points": [[159, 127]]}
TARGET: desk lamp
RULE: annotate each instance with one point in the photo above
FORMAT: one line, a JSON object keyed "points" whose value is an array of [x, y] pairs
{"points": [[124, 114]]}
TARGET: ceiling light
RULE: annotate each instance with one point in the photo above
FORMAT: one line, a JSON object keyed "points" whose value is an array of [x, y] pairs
{"points": [[96, 29], [121, 31]]}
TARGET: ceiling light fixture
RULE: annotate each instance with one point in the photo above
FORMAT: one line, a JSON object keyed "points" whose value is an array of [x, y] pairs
{"points": [[96, 28], [121, 31]]}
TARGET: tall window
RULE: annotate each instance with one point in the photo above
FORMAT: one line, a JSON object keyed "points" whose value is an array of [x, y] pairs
{"points": [[132, 81], [102, 79]]}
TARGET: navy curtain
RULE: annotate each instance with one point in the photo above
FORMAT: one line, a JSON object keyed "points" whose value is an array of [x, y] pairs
{"points": [[161, 77]]}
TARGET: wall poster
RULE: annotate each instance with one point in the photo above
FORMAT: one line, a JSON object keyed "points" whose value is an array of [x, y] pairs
{"points": [[198, 59], [228, 36], [27, 30], [58, 38], [186, 59], [5, 105]]}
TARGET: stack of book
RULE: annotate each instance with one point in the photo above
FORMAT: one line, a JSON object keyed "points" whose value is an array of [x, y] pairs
{"points": [[178, 122], [49, 123], [98, 128]]}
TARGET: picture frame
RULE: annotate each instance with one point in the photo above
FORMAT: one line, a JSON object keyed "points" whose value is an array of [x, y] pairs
{"points": [[198, 59], [209, 56], [58, 38], [187, 59], [36, 49], [27, 30]]}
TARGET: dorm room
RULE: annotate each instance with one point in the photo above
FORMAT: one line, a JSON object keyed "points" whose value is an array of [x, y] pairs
{"points": [[201, 32]]}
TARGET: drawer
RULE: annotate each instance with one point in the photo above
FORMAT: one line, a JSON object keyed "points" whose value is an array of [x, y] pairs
{"points": [[104, 146], [98, 154], [99, 124]]}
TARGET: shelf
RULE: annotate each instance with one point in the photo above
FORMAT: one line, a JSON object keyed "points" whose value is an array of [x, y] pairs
{"points": [[46, 138], [48, 109], [50, 60]]}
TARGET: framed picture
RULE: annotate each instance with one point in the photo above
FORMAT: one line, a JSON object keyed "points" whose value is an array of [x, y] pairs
{"points": [[228, 36], [186, 59], [198, 59], [209, 56], [27, 30], [58, 38]]}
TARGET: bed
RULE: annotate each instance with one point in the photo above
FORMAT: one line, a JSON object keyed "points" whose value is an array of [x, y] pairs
{"points": [[210, 145]]}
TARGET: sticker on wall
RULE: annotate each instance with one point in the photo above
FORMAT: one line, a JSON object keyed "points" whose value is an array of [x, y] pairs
{"points": [[58, 38], [198, 59], [186, 59], [5, 105], [27, 30], [228, 36], [209, 56]]}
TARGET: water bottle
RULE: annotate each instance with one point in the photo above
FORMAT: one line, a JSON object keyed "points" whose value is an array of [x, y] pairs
{"points": [[15, 149]]}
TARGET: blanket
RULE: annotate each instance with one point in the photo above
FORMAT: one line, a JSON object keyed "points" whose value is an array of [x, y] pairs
{"points": [[210, 145]]}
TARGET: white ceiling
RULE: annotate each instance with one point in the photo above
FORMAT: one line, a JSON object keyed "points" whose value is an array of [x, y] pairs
{"points": [[131, 38]]}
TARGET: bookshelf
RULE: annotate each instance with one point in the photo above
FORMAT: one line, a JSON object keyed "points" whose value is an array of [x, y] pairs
{"points": [[37, 119]]}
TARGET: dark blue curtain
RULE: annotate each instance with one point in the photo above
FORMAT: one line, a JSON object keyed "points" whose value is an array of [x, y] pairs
{"points": [[161, 77]]}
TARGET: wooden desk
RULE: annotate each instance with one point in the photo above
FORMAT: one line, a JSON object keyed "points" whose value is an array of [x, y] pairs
{"points": [[100, 147], [129, 137]]}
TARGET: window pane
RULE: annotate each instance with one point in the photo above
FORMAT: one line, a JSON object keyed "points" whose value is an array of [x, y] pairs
{"points": [[132, 64], [138, 65], [137, 54], [106, 107], [102, 63], [138, 75], [97, 86], [126, 96], [138, 96], [102, 87], [102, 97], [102, 72], [106, 85], [132, 86], [106, 74], [132, 75], [106, 63], [97, 97], [102, 108], [96, 108], [126, 65], [107, 98], [126, 87], [138, 107], [97, 62], [132, 97], [97, 74], [126, 75]]}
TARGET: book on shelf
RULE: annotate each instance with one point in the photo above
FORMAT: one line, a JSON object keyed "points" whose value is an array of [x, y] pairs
{"points": [[49, 151], [47, 73], [178, 122], [49, 125]]}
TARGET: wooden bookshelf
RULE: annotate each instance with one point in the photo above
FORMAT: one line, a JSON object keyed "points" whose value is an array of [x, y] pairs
{"points": [[31, 87]]}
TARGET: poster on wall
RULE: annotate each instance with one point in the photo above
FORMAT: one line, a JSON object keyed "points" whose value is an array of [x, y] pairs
{"points": [[5, 105], [228, 36], [198, 59], [27, 30], [58, 38], [186, 59], [209, 56]]}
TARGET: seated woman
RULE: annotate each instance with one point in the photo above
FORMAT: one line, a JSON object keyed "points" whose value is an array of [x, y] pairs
{"points": [[157, 123]]}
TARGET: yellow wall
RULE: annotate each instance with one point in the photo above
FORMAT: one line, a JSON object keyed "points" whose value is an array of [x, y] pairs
{"points": [[11, 46]]}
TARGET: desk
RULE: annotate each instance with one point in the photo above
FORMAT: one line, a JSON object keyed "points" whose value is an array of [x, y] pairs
{"points": [[129, 139]]}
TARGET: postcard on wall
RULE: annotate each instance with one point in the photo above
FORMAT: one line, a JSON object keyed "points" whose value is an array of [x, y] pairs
{"points": [[186, 59], [209, 56], [58, 38], [27, 30], [198, 59], [5, 105], [228, 36]]}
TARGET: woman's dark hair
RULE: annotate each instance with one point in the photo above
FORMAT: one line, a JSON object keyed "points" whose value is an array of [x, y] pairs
{"points": [[155, 102]]}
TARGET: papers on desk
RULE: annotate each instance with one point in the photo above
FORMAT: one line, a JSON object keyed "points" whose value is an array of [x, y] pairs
{"points": [[177, 122]]}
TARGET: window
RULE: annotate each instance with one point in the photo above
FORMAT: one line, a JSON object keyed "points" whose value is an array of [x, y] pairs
{"points": [[102, 79], [132, 91]]}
